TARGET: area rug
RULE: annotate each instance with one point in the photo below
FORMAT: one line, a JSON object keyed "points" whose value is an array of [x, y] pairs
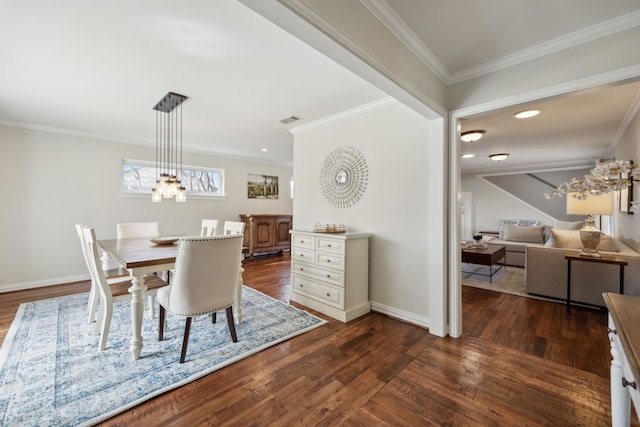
{"points": [[509, 280], [51, 372]]}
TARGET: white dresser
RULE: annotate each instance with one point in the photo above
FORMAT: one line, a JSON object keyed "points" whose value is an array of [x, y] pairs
{"points": [[330, 273], [624, 336]]}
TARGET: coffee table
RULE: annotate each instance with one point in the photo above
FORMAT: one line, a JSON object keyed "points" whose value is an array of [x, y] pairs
{"points": [[489, 256]]}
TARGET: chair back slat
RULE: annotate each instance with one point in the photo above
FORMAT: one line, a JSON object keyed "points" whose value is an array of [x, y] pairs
{"points": [[209, 227], [131, 230], [233, 227]]}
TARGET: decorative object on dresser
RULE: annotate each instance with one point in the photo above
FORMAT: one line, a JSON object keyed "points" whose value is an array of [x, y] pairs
{"points": [[266, 233], [330, 273], [344, 176]]}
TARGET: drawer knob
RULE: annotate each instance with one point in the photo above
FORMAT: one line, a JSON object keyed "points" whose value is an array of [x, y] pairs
{"points": [[328, 260], [301, 255], [328, 276], [301, 269], [301, 241], [302, 286], [329, 245], [330, 295], [631, 384], [612, 331]]}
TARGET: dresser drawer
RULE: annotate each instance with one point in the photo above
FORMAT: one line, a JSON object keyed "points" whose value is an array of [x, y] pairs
{"points": [[325, 293], [335, 277], [330, 245], [634, 393], [301, 241], [330, 260], [301, 254]]}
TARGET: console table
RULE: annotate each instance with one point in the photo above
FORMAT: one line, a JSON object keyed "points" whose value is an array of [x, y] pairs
{"points": [[624, 336], [266, 233], [571, 256]]}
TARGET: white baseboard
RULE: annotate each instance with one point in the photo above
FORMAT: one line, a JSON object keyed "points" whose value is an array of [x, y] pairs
{"points": [[42, 283], [400, 314]]}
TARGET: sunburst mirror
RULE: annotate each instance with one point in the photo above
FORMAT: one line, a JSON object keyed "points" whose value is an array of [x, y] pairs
{"points": [[344, 176]]}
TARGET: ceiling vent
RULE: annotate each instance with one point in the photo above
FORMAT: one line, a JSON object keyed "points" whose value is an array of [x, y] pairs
{"points": [[288, 120]]}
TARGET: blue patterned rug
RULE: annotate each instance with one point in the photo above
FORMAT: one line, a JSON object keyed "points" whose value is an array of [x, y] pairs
{"points": [[51, 372]]}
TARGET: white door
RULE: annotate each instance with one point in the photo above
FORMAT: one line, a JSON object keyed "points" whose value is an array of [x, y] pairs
{"points": [[466, 211]]}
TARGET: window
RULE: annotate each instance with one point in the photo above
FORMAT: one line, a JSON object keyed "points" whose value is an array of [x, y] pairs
{"points": [[139, 177]]}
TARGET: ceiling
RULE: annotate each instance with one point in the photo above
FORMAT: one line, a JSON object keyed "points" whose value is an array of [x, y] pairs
{"points": [[98, 68]]}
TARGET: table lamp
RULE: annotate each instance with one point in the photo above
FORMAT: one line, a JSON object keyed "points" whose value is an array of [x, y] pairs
{"points": [[592, 205]]}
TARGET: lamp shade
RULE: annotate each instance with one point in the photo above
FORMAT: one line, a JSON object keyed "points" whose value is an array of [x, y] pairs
{"points": [[592, 205]]}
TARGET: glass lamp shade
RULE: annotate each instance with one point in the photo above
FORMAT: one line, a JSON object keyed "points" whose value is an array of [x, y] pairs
{"points": [[592, 205]]}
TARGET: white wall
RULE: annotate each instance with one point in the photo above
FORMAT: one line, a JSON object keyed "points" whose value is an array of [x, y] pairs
{"points": [[627, 226], [53, 181], [394, 208], [490, 204]]}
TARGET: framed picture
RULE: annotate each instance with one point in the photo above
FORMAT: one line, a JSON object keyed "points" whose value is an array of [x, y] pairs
{"points": [[626, 195], [262, 186]]}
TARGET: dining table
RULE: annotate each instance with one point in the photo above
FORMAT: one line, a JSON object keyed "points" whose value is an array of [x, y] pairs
{"points": [[140, 257]]}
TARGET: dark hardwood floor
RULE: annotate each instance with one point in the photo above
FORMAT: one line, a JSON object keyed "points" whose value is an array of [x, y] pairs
{"points": [[519, 362]]}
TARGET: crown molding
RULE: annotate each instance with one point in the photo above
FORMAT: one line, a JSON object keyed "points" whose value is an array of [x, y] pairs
{"points": [[626, 121], [386, 15], [382, 10]]}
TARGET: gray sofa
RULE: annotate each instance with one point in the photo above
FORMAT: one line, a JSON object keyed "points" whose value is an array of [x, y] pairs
{"points": [[541, 250], [546, 274]]}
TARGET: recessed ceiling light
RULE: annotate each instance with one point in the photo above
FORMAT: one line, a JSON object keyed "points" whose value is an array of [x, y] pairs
{"points": [[499, 156], [468, 155], [472, 135], [265, 149], [526, 114]]}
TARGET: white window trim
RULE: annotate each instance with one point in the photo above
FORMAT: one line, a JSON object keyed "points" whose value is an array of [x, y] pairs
{"points": [[147, 192]]}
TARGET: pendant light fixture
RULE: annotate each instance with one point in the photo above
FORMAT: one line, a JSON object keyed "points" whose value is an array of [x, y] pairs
{"points": [[169, 149]]}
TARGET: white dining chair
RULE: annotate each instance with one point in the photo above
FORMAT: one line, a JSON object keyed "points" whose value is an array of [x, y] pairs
{"points": [[205, 280], [209, 227], [233, 227], [131, 230], [112, 275], [111, 292]]}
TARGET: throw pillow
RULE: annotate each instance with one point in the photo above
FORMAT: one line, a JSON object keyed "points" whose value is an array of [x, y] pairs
{"points": [[568, 239], [568, 225], [503, 224], [527, 222], [521, 222], [608, 244], [516, 233]]}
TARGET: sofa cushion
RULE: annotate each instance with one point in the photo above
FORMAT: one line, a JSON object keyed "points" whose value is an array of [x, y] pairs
{"points": [[565, 225], [608, 244], [568, 239], [516, 233]]}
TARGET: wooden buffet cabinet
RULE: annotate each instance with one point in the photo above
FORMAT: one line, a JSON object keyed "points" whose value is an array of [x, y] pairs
{"points": [[266, 233]]}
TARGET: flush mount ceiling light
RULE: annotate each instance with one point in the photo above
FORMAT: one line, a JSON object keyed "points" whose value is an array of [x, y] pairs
{"points": [[498, 157], [526, 114], [472, 135], [468, 156], [169, 149]]}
